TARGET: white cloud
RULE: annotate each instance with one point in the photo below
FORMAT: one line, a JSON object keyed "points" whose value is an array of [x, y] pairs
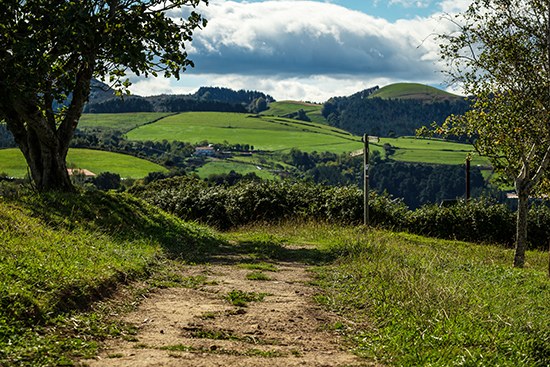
{"points": [[307, 50], [454, 6], [300, 38]]}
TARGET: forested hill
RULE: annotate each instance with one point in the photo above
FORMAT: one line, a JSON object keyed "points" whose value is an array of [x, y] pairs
{"points": [[205, 99], [395, 110]]}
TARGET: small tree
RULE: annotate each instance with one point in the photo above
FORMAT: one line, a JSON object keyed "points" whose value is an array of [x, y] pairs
{"points": [[51, 49], [500, 55]]}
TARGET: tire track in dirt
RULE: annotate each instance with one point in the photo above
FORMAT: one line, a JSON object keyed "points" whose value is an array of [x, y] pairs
{"points": [[199, 327]]}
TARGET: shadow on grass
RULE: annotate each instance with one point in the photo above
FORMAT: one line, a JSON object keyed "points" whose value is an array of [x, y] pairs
{"points": [[262, 250], [126, 220]]}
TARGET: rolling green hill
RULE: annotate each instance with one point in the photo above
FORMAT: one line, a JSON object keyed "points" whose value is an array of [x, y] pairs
{"points": [[13, 164], [279, 134], [118, 121], [413, 91], [263, 132], [284, 108]]}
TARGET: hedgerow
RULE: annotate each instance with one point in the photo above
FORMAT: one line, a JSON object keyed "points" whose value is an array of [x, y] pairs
{"points": [[479, 220]]}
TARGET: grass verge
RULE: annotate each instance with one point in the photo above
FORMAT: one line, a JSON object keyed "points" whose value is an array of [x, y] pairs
{"points": [[414, 301], [63, 252]]}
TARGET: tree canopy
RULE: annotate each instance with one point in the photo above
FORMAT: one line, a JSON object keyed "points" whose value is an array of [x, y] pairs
{"points": [[51, 49], [500, 55]]}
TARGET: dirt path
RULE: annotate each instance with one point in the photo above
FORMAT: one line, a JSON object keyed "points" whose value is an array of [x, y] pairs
{"points": [[199, 326]]}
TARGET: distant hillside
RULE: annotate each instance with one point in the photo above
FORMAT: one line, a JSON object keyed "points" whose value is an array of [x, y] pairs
{"points": [[297, 110], [205, 99], [395, 110], [419, 92]]}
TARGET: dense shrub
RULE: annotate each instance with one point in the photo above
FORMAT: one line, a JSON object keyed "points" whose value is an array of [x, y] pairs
{"points": [[478, 221], [246, 202]]}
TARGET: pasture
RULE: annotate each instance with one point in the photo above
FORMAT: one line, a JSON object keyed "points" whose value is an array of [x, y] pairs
{"points": [[272, 134], [263, 132], [118, 121], [222, 167], [282, 108], [13, 163]]}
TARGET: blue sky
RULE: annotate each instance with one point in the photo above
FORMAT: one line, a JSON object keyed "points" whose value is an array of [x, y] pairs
{"points": [[312, 50]]}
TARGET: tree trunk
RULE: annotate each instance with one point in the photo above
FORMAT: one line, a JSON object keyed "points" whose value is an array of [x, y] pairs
{"points": [[42, 136], [521, 230], [48, 166]]}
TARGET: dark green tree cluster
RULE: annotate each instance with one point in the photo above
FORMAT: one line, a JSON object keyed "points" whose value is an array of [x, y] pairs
{"points": [[165, 153], [6, 137], [420, 184], [416, 184], [387, 117], [205, 99]]}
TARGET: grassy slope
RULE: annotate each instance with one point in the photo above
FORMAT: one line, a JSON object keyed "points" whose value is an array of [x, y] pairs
{"points": [[283, 108], [263, 132], [410, 300], [13, 163], [224, 166], [410, 149], [118, 121], [61, 252], [413, 91], [415, 301], [274, 134]]}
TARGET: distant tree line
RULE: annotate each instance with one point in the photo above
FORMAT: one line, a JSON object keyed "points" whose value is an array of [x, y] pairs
{"points": [[416, 183], [205, 99], [360, 114], [165, 153]]}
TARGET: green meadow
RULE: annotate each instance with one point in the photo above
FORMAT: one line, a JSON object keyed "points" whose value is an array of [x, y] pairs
{"points": [[13, 164], [217, 167], [263, 132], [118, 121], [282, 108], [412, 91], [437, 151]]}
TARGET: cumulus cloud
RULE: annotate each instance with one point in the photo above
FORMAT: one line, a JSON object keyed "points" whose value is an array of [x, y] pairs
{"points": [[307, 50], [305, 38]]}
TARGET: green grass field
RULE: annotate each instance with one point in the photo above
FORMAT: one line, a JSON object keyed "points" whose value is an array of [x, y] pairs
{"points": [[271, 133], [411, 149], [282, 108], [414, 301], [220, 167], [13, 164], [263, 132], [400, 299], [412, 91], [118, 121]]}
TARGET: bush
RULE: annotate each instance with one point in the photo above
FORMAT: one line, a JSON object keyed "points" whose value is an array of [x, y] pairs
{"points": [[266, 201], [477, 221]]}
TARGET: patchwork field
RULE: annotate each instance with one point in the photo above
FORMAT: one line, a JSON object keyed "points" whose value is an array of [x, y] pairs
{"points": [[263, 132]]}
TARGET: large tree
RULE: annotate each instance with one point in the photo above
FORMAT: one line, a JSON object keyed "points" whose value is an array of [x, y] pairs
{"points": [[500, 55], [50, 50]]}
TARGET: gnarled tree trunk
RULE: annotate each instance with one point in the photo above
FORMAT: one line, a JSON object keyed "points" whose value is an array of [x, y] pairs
{"points": [[44, 136]]}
